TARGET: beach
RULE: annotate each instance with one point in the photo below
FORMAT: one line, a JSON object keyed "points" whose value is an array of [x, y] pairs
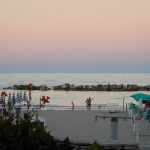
{"points": [[81, 126]]}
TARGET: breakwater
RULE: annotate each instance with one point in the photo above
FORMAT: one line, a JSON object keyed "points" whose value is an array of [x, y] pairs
{"points": [[98, 87], [23, 87], [101, 87]]}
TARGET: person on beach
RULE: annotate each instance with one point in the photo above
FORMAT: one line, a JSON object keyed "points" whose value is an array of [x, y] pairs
{"points": [[99, 107], [72, 105], [88, 101]]}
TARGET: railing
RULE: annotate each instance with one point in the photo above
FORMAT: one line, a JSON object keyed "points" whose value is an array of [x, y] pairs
{"points": [[103, 107]]}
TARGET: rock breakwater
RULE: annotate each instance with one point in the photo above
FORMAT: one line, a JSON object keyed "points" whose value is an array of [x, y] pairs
{"points": [[101, 87], [98, 87], [23, 87]]}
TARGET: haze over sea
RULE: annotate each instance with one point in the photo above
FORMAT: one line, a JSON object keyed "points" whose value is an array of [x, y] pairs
{"points": [[64, 98]]}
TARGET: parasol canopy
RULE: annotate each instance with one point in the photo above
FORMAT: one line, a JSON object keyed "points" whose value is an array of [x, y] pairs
{"points": [[141, 96]]}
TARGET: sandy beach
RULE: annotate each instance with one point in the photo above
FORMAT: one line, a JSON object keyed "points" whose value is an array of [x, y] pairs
{"points": [[81, 125]]}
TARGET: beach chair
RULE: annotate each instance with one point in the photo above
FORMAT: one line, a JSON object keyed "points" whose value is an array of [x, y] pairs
{"points": [[146, 118], [103, 106], [112, 107], [136, 109], [131, 106]]}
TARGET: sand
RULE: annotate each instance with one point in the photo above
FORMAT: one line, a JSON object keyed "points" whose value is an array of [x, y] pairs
{"points": [[81, 125]]}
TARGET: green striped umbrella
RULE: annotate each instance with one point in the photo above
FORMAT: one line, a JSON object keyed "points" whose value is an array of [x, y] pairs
{"points": [[141, 96]]}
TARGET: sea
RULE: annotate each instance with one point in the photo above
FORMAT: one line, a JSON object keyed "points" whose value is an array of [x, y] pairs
{"points": [[61, 100]]}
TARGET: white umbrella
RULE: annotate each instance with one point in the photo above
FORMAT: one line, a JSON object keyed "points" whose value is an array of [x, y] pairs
{"points": [[1, 98], [24, 96], [17, 98], [20, 97], [13, 98], [9, 98]]}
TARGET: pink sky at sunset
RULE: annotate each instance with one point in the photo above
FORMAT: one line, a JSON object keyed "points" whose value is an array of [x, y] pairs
{"points": [[75, 36]]}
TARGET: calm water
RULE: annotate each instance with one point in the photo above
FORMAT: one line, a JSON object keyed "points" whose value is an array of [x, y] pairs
{"points": [[63, 98]]}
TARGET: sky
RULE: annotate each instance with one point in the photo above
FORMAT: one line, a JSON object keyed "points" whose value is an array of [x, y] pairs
{"points": [[74, 36]]}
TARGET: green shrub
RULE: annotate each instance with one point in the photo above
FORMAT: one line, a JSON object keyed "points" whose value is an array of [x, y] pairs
{"points": [[24, 135]]}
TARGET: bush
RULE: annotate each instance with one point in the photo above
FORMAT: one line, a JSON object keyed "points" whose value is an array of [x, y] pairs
{"points": [[24, 135]]}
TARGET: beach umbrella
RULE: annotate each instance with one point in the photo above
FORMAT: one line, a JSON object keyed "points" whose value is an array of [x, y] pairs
{"points": [[13, 98], [141, 96], [24, 96], [9, 98], [1, 98], [20, 97], [17, 98]]}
